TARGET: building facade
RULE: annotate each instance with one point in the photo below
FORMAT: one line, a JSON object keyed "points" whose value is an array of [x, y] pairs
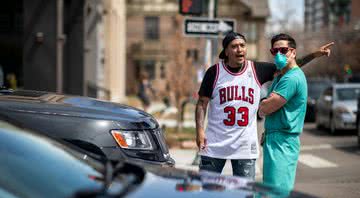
{"points": [[65, 46], [331, 14], [316, 15], [338, 21], [115, 49], [99, 48], [152, 26]]}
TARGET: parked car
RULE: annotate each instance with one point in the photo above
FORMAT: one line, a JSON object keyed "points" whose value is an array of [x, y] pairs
{"points": [[358, 121], [32, 165], [110, 129], [315, 87], [337, 107]]}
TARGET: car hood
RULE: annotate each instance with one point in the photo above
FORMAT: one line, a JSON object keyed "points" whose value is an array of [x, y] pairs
{"points": [[160, 181], [351, 105], [76, 106]]}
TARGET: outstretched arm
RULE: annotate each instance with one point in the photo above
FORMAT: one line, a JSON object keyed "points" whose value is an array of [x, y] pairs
{"points": [[322, 51], [200, 114]]}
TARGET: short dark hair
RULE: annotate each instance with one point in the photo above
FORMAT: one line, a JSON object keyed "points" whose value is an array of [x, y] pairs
{"points": [[286, 37]]}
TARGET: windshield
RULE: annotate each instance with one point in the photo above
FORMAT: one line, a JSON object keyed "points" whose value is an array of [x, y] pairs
{"points": [[348, 93], [33, 166], [316, 88]]}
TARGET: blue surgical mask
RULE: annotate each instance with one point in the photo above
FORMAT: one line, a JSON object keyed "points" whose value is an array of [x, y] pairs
{"points": [[280, 60]]}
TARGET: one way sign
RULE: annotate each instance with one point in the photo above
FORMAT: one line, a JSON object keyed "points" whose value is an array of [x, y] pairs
{"points": [[201, 27]]}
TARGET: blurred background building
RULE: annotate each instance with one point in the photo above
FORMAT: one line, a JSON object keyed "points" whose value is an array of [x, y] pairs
{"points": [[152, 42], [338, 21], [329, 13], [65, 46], [98, 48]]}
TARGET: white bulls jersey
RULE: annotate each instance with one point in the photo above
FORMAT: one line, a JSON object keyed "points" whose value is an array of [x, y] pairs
{"points": [[231, 132]]}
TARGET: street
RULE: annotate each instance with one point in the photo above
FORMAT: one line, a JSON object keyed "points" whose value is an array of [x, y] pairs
{"points": [[328, 165]]}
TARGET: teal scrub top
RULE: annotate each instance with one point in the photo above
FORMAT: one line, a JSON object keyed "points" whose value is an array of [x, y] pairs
{"points": [[292, 87]]}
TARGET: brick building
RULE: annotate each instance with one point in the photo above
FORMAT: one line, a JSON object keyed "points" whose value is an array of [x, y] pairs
{"points": [[151, 27]]}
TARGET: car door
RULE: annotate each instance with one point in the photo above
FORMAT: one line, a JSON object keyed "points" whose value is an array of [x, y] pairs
{"points": [[322, 108], [328, 101]]}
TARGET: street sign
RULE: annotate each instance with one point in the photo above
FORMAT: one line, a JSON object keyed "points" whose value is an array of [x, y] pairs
{"points": [[202, 27]]}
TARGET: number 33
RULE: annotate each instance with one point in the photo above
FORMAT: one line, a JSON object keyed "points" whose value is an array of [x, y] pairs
{"points": [[231, 113]]}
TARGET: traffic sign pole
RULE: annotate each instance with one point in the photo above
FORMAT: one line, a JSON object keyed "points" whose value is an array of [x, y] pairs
{"points": [[208, 48]]}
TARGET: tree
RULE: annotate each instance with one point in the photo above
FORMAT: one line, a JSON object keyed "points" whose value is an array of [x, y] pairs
{"points": [[344, 52], [180, 73]]}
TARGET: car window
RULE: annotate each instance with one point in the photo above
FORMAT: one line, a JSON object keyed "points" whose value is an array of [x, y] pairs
{"points": [[55, 169], [347, 93], [5, 125], [5, 194], [316, 88]]}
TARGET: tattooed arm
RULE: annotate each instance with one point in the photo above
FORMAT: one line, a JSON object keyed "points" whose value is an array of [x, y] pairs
{"points": [[200, 114], [323, 50]]}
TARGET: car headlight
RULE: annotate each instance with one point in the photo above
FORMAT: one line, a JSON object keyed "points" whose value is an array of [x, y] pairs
{"points": [[132, 139]]}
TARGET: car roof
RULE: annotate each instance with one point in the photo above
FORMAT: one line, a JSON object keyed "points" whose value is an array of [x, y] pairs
{"points": [[346, 85], [319, 80]]}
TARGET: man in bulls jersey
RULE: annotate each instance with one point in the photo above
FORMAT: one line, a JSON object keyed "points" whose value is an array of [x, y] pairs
{"points": [[231, 88]]}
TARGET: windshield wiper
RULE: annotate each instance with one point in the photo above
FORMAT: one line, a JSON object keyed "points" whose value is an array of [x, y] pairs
{"points": [[108, 177], [130, 175]]}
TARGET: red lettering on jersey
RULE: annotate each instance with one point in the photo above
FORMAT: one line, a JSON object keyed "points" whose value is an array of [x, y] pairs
{"points": [[251, 95], [237, 96], [222, 94], [230, 93], [244, 97]]}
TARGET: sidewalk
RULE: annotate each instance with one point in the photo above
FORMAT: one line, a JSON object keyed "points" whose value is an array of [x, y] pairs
{"points": [[155, 107], [184, 158]]}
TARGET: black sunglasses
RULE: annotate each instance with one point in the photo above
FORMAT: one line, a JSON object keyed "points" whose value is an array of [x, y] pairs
{"points": [[282, 50]]}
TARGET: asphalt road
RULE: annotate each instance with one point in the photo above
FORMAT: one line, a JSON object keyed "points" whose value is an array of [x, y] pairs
{"points": [[329, 166]]}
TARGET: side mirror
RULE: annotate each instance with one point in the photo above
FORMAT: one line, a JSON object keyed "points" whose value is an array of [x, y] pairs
{"points": [[328, 98]]}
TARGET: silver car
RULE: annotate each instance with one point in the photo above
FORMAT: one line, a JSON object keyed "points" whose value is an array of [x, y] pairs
{"points": [[337, 106]]}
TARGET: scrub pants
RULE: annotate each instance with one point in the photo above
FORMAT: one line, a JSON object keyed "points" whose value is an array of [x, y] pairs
{"points": [[281, 152]]}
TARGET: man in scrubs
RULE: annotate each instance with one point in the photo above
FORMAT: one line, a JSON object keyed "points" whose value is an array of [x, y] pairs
{"points": [[284, 109]]}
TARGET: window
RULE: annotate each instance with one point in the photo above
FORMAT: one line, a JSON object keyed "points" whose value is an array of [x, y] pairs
{"points": [[253, 32], [348, 93], [149, 67], [162, 72], [250, 31], [152, 28], [192, 53]]}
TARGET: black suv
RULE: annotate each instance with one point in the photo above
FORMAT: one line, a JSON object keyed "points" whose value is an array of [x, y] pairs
{"points": [[116, 131], [36, 166]]}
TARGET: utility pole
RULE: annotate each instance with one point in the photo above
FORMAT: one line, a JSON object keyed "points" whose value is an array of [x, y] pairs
{"points": [[208, 63], [208, 48], [59, 46]]}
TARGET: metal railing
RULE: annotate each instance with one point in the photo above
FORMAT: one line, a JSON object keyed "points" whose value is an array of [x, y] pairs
{"points": [[96, 91]]}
